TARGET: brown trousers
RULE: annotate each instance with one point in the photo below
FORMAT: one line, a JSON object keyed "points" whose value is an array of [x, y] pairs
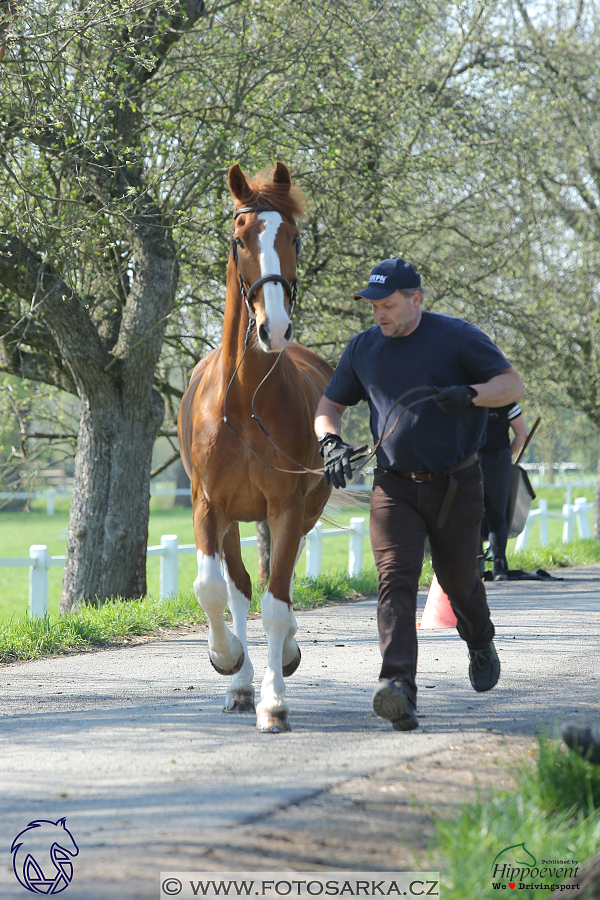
{"points": [[403, 512]]}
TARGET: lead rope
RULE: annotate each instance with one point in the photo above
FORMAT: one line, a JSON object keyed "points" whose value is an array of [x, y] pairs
{"points": [[367, 453], [293, 292]]}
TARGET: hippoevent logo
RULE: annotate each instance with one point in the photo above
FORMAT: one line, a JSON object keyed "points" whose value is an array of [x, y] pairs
{"points": [[42, 855], [515, 868]]}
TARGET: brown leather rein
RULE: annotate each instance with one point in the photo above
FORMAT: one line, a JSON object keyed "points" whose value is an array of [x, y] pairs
{"points": [[366, 455]]}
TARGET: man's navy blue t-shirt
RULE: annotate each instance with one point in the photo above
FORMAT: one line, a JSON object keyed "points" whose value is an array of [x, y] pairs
{"points": [[440, 352]]}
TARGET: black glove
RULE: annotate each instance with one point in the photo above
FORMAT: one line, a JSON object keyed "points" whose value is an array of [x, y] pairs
{"points": [[455, 399], [337, 456]]}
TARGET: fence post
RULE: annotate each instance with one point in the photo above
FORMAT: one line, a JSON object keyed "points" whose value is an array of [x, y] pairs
{"points": [[169, 566], [355, 553], [543, 508], [569, 525], [38, 580], [313, 551], [581, 512]]}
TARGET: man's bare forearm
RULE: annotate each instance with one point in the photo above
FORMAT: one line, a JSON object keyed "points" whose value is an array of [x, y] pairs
{"points": [[328, 418], [500, 390]]}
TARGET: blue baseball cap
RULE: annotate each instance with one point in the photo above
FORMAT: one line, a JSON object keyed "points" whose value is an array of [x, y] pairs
{"points": [[389, 276]]}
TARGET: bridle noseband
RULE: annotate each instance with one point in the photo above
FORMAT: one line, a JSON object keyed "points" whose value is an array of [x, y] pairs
{"points": [[247, 293], [292, 291]]}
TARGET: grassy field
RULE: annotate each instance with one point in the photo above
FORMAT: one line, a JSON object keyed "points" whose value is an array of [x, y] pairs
{"points": [[19, 530], [555, 811]]}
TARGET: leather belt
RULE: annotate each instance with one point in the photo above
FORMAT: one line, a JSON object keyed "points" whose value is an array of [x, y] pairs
{"points": [[423, 477], [448, 472]]}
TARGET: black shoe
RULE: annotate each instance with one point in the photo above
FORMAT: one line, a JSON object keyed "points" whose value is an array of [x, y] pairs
{"points": [[390, 702], [582, 738], [484, 668], [500, 570]]}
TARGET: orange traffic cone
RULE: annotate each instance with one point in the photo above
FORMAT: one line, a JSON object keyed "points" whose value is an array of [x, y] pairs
{"points": [[438, 612]]}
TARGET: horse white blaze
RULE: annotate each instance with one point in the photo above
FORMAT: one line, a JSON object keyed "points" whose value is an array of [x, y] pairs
{"points": [[239, 605], [211, 593], [277, 618], [277, 319]]}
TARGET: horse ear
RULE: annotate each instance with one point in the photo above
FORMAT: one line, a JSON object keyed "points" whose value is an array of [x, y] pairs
{"points": [[237, 183], [281, 175], [62, 823]]}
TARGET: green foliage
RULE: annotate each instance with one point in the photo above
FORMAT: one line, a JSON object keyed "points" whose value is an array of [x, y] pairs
{"points": [[564, 781], [556, 556], [93, 626], [554, 810], [25, 638]]}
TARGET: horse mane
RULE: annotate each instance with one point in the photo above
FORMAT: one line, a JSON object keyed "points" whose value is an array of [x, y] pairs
{"points": [[289, 201]]}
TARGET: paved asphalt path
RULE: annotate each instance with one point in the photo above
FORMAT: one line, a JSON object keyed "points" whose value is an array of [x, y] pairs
{"points": [[131, 746]]}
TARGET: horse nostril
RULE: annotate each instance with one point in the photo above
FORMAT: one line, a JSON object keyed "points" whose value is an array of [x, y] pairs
{"points": [[288, 334], [264, 335]]}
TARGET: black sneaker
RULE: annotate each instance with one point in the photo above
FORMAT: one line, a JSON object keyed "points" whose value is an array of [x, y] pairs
{"points": [[390, 702], [582, 738], [484, 668]]}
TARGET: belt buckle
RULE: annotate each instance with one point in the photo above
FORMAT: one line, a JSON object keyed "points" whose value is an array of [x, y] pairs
{"points": [[414, 477]]}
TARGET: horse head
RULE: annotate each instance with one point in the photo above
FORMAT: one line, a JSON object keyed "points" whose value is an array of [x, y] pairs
{"points": [[265, 245]]}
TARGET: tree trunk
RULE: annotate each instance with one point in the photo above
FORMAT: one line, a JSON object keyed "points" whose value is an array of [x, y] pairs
{"points": [[182, 481], [596, 531], [108, 522], [263, 545]]}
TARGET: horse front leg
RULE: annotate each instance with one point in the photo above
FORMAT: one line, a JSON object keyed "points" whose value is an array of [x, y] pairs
{"points": [[291, 651], [280, 625], [225, 650], [240, 694]]}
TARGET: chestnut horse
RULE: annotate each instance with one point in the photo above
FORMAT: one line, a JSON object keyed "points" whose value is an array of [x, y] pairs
{"points": [[233, 464]]}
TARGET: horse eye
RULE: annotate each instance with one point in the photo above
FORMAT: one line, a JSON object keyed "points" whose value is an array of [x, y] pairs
{"points": [[239, 242]]}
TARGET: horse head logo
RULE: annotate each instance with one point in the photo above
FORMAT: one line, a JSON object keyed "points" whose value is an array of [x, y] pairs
{"points": [[519, 849], [42, 856]]}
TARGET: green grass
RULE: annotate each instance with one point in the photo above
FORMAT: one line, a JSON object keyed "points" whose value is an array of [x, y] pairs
{"points": [[554, 811], [19, 530], [25, 638]]}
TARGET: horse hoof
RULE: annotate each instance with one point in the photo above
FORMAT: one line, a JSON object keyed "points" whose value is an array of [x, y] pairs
{"points": [[235, 669], [291, 667], [273, 723], [239, 701]]}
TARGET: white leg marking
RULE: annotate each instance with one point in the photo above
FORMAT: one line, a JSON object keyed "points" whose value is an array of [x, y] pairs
{"points": [[278, 320], [239, 606], [276, 618], [211, 593], [290, 646]]}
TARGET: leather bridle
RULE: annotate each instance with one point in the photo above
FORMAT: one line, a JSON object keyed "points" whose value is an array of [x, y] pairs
{"points": [[247, 293], [292, 290]]}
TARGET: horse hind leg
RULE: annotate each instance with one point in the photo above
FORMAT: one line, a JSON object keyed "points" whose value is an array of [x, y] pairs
{"points": [[240, 694]]}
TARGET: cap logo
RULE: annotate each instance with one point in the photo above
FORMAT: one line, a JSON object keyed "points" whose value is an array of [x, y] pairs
{"points": [[379, 279]]}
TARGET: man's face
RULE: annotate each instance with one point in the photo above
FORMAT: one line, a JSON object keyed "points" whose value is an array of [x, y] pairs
{"points": [[397, 315]]}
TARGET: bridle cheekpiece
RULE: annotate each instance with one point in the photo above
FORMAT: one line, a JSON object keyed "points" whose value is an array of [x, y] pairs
{"points": [[247, 293]]}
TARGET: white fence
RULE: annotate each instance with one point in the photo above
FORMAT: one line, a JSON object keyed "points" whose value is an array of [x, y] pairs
{"points": [[50, 496], [576, 513], [169, 550]]}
